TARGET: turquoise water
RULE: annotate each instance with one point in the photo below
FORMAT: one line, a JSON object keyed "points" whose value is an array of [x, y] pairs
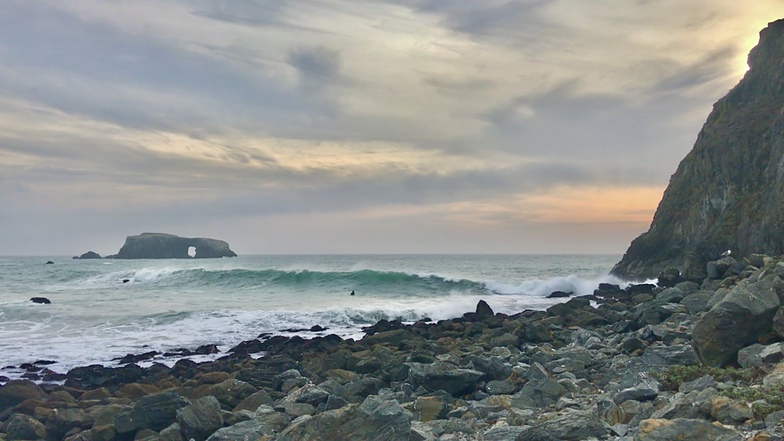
{"points": [[170, 304]]}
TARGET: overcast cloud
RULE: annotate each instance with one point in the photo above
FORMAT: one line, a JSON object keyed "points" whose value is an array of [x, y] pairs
{"points": [[330, 126]]}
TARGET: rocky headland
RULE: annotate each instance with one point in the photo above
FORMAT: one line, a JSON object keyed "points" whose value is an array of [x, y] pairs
{"points": [[689, 361], [727, 192], [169, 246]]}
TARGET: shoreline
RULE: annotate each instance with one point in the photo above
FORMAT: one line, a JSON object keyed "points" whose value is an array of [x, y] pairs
{"points": [[619, 364]]}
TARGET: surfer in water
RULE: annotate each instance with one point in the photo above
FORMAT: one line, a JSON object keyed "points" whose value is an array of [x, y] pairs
{"points": [[352, 292]]}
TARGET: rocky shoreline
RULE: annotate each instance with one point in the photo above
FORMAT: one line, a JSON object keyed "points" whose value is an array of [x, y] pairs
{"points": [[696, 360]]}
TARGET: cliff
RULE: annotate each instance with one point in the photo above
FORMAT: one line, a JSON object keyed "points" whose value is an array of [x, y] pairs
{"points": [[728, 193], [169, 246]]}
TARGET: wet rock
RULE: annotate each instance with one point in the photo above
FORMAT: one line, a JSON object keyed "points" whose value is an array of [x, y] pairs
{"points": [[201, 418], [559, 294], [483, 311]]}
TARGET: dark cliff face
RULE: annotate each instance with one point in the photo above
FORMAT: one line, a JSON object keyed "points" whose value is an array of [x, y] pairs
{"points": [[169, 246], [728, 193]]}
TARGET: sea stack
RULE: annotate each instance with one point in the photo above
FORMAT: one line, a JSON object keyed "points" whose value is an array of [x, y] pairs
{"points": [[728, 193], [169, 246]]}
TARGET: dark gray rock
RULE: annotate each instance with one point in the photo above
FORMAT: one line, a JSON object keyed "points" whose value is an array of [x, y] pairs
{"points": [[717, 268], [154, 412], [171, 433], [509, 433], [699, 384], [541, 389], [646, 390], [711, 204], [500, 387], [229, 392], [89, 255], [14, 392], [169, 246], [661, 355], [62, 420], [737, 320], [201, 418], [245, 430], [778, 322], [24, 427], [571, 426], [443, 376]]}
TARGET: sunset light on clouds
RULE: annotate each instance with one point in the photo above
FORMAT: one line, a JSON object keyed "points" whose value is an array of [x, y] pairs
{"points": [[326, 126]]}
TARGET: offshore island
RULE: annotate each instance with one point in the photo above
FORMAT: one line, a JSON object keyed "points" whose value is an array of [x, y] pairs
{"points": [[698, 356]]}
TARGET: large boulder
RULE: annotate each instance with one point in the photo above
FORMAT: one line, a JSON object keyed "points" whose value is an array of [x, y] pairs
{"points": [[712, 204], [736, 321], [201, 418], [24, 427], [374, 419], [443, 376], [154, 412], [16, 391], [169, 246]]}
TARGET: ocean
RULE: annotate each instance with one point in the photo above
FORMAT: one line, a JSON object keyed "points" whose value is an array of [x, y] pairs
{"points": [[96, 317]]}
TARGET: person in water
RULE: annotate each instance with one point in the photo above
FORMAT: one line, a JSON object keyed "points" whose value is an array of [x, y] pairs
{"points": [[352, 292]]}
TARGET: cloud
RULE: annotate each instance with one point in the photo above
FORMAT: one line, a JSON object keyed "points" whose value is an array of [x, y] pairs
{"points": [[156, 113]]}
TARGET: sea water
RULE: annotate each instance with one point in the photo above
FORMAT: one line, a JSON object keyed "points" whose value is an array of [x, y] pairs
{"points": [[104, 309]]}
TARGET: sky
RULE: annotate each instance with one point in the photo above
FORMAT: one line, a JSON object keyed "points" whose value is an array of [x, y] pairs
{"points": [[330, 126]]}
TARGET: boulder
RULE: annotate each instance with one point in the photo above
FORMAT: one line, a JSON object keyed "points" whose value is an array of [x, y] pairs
{"points": [[15, 391], [685, 429], [169, 246], [646, 390], [154, 412], [737, 320], [62, 420], [24, 427], [201, 418], [559, 294], [541, 389], [669, 277], [443, 376], [229, 392], [374, 419], [571, 426]]}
